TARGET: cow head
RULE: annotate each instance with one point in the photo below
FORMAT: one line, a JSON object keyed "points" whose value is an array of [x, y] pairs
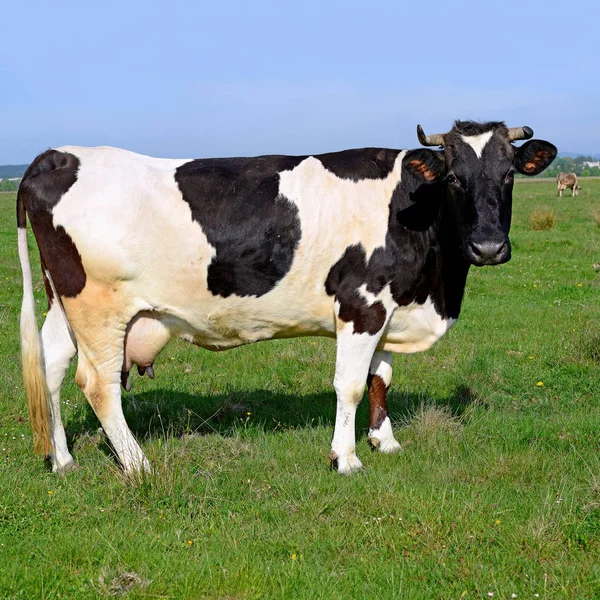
{"points": [[477, 164]]}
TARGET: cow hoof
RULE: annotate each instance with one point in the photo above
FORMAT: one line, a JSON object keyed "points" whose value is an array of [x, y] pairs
{"points": [[66, 468], [389, 446], [373, 442], [140, 466], [346, 465], [383, 438]]}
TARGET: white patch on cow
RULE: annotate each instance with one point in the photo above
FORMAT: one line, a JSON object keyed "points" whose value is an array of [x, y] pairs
{"points": [[385, 297], [386, 442], [353, 212], [414, 328], [477, 142], [381, 364]]}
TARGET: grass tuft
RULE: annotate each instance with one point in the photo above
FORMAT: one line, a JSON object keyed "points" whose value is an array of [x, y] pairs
{"points": [[588, 344], [542, 220], [429, 422], [596, 216]]}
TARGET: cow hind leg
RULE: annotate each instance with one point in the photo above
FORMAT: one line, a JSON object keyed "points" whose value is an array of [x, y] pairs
{"points": [[381, 435], [99, 318], [58, 350], [99, 379]]}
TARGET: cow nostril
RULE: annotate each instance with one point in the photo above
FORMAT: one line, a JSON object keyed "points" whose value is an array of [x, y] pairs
{"points": [[488, 250]]}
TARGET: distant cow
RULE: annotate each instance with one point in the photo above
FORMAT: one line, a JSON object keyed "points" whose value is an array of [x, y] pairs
{"points": [[567, 180], [371, 247]]}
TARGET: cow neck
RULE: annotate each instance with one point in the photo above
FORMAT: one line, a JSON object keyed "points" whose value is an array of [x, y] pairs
{"points": [[454, 266], [425, 245]]}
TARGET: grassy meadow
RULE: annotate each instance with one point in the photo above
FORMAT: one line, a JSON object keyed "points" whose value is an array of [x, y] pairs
{"points": [[496, 491]]}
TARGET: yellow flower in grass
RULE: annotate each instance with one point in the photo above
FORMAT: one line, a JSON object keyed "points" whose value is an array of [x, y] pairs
{"points": [[540, 384]]}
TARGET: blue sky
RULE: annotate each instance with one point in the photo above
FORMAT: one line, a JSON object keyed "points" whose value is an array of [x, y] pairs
{"points": [[193, 79]]}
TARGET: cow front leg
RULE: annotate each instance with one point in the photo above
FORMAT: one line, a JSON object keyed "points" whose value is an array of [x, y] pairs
{"points": [[354, 353], [381, 435]]}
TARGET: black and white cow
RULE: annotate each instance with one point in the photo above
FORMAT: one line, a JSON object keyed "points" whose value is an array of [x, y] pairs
{"points": [[369, 246]]}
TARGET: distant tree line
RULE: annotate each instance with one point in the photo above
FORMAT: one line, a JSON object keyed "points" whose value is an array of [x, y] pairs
{"points": [[567, 164], [9, 186]]}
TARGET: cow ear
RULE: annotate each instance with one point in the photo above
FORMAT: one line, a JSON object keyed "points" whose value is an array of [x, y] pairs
{"points": [[426, 165], [534, 156]]}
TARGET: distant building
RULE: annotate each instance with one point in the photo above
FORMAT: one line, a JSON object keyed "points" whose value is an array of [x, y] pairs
{"points": [[588, 163]]}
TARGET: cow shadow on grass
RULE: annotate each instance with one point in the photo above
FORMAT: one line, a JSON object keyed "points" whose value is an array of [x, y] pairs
{"points": [[167, 413]]}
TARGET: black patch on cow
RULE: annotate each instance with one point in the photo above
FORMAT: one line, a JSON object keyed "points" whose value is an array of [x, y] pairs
{"points": [[254, 229], [363, 163], [378, 410], [421, 257], [343, 281], [47, 285], [45, 182]]}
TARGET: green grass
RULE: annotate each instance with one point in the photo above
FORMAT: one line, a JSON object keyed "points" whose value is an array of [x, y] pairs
{"points": [[497, 489]]}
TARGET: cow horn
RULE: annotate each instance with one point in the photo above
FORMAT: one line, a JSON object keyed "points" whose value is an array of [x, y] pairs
{"points": [[436, 139], [520, 133]]}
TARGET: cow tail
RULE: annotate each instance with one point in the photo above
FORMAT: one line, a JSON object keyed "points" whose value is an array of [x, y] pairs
{"points": [[34, 376]]}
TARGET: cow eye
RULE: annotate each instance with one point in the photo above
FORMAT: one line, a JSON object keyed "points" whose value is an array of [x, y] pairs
{"points": [[452, 179]]}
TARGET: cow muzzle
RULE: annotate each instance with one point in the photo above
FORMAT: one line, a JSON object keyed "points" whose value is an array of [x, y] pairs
{"points": [[488, 252]]}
